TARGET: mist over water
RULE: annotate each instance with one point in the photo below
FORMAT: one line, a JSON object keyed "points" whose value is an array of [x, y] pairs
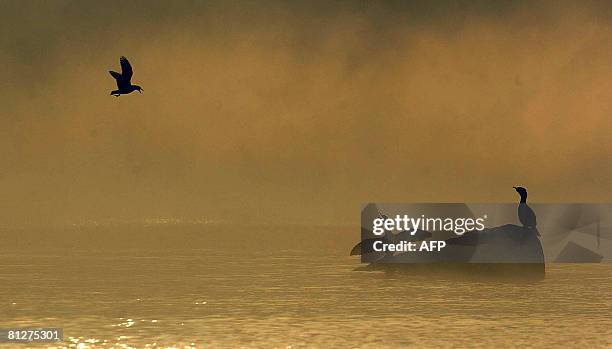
{"points": [[277, 112]]}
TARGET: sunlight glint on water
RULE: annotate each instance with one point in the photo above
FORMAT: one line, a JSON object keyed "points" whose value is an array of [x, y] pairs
{"points": [[280, 287]]}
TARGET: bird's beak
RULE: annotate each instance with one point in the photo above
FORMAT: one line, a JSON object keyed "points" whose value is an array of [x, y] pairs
{"points": [[514, 187]]}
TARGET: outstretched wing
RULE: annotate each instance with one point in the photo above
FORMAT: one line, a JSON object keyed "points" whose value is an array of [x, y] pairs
{"points": [[126, 68], [121, 81], [116, 75]]}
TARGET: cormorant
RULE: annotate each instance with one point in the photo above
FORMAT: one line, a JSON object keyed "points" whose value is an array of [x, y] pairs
{"points": [[123, 79], [525, 213]]}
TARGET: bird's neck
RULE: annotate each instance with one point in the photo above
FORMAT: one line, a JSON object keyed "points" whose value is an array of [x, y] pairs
{"points": [[523, 199]]}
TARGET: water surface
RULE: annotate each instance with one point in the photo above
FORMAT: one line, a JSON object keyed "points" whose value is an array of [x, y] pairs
{"points": [[208, 286]]}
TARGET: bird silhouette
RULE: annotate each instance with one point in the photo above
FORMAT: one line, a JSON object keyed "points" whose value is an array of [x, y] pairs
{"points": [[123, 80], [525, 213]]}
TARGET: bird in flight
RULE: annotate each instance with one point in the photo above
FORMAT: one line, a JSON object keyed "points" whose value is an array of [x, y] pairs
{"points": [[123, 80]]}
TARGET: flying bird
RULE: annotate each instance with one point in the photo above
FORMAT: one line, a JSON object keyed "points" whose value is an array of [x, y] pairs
{"points": [[123, 80], [525, 213]]}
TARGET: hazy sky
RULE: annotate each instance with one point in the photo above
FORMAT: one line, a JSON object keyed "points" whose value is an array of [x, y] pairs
{"points": [[299, 111]]}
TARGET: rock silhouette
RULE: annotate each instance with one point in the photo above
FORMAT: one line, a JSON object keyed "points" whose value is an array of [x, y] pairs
{"points": [[507, 249]]}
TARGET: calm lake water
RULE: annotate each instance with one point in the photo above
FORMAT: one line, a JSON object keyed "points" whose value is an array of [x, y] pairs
{"points": [[207, 286]]}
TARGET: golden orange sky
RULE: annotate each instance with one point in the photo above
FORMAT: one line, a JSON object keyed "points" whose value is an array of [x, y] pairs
{"points": [[299, 112]]}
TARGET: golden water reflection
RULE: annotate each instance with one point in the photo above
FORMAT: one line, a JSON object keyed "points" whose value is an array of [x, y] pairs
{"points": [[286, 287]]}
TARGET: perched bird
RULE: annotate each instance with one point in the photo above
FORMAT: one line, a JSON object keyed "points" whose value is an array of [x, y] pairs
{"points": [[123, 79], [525, 213]]}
